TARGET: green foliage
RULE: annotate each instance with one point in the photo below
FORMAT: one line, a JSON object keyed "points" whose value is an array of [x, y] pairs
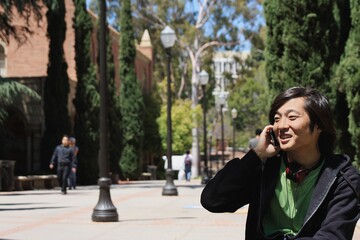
{"points": [[56, 86], [348, 78], [182, 122], [306, 46], [131, 100], [250, 98], [152, 138], [115, 124], [10, 10], [130, 162], [87, 98], [301, 44], [11, 91]]}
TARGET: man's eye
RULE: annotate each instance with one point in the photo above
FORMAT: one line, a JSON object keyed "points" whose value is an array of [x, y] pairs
{"points": [[276, 119], [292, 118]]}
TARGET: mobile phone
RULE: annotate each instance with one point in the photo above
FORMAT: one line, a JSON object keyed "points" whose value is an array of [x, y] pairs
{"points": [[274, 141]]}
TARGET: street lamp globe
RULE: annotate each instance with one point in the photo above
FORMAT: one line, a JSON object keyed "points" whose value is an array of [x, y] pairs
{"points": [[234, 113], [203, 77], [222, 99], [168, 37]]}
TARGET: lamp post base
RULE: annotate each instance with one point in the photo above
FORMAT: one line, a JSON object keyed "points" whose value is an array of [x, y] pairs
{"points": [[105, 211], [169, 189]]}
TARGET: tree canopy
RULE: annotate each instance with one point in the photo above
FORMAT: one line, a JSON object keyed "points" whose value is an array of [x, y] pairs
{"points": [[10, 10]]}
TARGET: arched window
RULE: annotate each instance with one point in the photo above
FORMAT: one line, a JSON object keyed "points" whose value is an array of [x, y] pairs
{"points": [[2, 61]]}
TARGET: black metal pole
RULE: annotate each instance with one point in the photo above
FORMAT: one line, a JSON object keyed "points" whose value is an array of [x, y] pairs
{"points": [[234, 138], [211, 167], [169, 189], [205, 175], [104, 211], [222, 135]]}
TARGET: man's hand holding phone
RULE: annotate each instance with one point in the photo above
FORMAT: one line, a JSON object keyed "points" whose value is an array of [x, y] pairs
{"points": [[268, 145]]}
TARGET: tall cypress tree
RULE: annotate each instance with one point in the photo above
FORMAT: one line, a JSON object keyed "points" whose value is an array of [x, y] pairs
{"points": [[56, 86], [305, 40], [115, 146], [131, 99], [87, 98], [348, 77], [302, 42]]}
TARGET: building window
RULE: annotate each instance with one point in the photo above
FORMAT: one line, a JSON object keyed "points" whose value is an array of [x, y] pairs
{"points": [[2, 61]]}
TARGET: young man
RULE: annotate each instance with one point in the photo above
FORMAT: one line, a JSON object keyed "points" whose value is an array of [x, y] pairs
{"points": [[64, 157], [296, 189]]}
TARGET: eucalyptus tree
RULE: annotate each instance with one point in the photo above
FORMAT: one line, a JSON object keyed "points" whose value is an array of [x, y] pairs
{"points": [[200, 27]]}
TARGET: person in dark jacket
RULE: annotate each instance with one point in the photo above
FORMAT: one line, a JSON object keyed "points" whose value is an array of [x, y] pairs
{"points": [[65, 158], [297, 188], [72, 176]]}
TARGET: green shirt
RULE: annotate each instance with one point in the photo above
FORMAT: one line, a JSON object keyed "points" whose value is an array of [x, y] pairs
{"points": [[290, 203]]}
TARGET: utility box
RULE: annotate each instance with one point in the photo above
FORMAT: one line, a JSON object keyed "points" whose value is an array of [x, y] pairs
{"points": [[7, 180], [152, 170]]}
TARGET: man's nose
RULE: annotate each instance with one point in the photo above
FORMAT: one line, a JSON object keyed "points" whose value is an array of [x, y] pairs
{"points": [[283, 123]]}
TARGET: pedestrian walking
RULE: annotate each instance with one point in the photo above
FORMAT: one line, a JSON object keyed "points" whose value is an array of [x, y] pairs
{"points": [[297, 188], [64, 157], [187, 165], [254, 141], [72, 176]]}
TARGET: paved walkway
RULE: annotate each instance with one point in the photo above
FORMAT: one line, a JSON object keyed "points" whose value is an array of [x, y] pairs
{"points": [[143, 214]]}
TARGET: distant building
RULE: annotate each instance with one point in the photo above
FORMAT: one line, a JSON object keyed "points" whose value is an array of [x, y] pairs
{"points": [[227, 69], [225, 63], [27, 64]]}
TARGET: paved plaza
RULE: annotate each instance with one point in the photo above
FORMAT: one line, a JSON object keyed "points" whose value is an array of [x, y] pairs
{"points": [[143, 214]]}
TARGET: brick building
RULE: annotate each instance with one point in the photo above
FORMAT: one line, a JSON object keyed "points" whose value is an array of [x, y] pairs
{"points": [[27, 63]]}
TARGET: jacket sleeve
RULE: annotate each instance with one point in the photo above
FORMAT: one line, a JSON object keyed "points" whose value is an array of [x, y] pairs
{"points": [[233, 186], [54, 159], [343, 209]]}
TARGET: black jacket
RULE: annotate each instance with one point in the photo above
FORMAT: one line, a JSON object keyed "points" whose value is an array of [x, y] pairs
{"points": [[333, 211], [63, 156]]}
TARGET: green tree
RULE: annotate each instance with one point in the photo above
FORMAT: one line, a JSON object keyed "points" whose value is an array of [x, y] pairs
{"points": [[181, 116], [10, 91], [131, 98], [304, 48], [199, 28], [250, 97], [87, 98], [115, 134], [152, 139], [10, 10], [56, 86], [302, 39], [347, 78]]}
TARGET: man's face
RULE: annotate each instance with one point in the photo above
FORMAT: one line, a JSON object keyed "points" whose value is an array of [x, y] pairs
{"points": [[292, 127], [65, 141]]}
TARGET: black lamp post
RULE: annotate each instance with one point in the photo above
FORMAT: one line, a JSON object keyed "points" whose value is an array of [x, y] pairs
{"points": [[234, 115], [204, 78], [222, 101], [210, 146], [168, 38], [104, 211]]}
